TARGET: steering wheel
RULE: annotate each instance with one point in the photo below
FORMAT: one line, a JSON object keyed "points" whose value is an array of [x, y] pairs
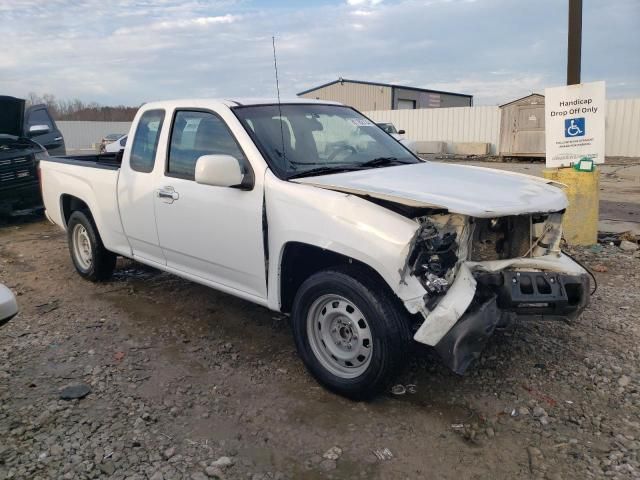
{"points": [[340, 149]]}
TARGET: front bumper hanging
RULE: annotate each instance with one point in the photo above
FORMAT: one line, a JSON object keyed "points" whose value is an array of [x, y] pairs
{"points": [[502, 296]]}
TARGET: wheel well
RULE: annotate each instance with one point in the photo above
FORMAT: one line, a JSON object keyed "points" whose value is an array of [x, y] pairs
{"points": [[301, 260], [72, 204]]}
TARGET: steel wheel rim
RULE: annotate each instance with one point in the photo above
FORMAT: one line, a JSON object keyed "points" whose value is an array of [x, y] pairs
{"points": [[82, 247], [339, 336]]}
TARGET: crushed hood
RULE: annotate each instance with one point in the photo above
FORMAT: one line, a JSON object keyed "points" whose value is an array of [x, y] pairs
{"points": [[11, 116], [475, 191]]}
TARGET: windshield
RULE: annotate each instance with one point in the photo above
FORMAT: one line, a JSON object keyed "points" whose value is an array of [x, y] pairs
{"points": [[319, 139]]}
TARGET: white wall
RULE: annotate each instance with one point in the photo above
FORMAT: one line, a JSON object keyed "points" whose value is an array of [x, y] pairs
{"points": [[623, 128], [82, 135], [451, 125], [460, 124], [482, 124]]}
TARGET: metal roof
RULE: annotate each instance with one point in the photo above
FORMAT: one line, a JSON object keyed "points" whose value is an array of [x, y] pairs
{"points": [[342, 80], [521, 98]]}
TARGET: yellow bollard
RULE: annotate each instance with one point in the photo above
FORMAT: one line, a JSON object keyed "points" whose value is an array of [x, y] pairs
{"points": [[580, 221]]}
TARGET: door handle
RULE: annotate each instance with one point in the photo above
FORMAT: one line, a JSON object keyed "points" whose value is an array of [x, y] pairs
{"points": [[168, 193], [57, 139]]}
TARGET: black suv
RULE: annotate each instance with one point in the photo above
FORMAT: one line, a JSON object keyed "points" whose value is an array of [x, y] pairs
{"points": [[26, 135]]}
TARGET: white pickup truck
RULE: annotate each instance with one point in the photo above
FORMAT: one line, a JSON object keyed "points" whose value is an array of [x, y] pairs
{"points": [[310, 209]]}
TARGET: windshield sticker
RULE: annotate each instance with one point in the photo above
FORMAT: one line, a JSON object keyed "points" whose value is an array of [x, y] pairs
{"points": [[361, 122]]}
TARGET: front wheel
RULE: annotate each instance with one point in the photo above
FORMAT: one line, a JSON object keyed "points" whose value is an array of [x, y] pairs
{"points": [[350, 334], [91, 259]]}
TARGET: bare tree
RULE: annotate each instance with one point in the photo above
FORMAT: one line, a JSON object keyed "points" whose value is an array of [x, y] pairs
{"points": [[76, 109]]}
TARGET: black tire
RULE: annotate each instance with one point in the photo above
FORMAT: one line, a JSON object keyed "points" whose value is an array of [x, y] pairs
{"points": [[102, 261], [389, 330]]}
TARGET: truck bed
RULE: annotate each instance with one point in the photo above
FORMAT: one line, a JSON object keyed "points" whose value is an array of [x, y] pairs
{"points": [[110, 161], [91, 179]]}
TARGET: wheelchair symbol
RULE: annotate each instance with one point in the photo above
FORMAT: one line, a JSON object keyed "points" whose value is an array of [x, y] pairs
{"points": [[574, 127]]}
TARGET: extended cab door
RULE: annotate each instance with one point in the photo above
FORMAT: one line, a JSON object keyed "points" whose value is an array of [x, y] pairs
{"points": [[136, 192], [213, 233]]}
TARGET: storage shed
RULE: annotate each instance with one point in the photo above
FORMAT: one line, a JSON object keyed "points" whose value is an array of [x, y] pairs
{"points": [[522, 127], [371, 96]]}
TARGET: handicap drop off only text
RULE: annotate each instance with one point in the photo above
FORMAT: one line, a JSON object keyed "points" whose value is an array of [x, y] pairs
{"points": [[573, 107]]}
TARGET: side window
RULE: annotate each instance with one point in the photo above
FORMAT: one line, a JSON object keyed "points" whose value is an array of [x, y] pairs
{"points": [[195, 134], [40, 117], [145, 141]]}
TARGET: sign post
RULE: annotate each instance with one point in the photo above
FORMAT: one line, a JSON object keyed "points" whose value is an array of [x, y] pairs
{"points": [[575, 144]]}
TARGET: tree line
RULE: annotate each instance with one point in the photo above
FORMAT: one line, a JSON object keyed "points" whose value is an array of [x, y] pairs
{"points": [[76, 109]]}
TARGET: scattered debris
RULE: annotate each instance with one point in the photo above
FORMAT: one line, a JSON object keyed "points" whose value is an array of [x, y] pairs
{"points": [[600, 268], [224, 462], [169, 452], [118, 356], [49, 306], [383, 454], [73, 392], [628, 246], [333, 453], [623, 381], [629, 236], [213, 472], [539, 412], [398, 389]]}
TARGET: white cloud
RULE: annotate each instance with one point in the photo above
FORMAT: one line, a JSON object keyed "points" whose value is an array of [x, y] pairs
{"points": [[130, 51], [369, 3]]}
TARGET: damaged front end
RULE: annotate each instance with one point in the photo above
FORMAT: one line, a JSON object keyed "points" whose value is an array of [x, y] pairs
{"points": [[479, 274]]}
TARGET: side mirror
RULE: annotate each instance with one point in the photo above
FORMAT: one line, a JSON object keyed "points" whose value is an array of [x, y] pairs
{"points": [[219, 171], [8, 305], [38, 129], [401, 132]]}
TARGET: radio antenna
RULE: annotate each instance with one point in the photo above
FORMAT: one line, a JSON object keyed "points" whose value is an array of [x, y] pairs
{"points": [[275, 66]]}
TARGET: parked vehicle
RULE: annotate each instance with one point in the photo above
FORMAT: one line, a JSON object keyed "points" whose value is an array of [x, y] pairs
{"points": [[109, 139], [25, 137], [8, 305], [117, 145], [310, 209], [398, 135]]}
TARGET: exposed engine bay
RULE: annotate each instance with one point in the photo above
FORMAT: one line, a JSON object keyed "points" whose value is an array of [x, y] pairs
{"points": [[481, 273]]}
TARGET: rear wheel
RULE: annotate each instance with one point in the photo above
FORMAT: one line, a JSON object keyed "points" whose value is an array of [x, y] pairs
{"points": [[91, 259], [350, 334]]}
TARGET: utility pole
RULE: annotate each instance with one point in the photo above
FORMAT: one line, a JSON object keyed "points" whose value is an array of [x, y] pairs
{"points": [[574, 42], [580, 221]]}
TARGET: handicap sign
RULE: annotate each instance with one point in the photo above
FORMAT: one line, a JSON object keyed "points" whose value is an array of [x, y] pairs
{"points": [[574, 127]]}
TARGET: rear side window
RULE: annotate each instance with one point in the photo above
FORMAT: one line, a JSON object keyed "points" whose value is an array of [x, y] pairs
{"points": [[195, 134], [40, 117], [145, 141]]}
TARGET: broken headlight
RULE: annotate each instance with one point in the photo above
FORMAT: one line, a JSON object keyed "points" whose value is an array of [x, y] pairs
{"points": [[433, 256]]}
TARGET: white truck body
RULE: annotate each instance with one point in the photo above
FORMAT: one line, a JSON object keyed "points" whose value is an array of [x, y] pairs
{"points": [[235, 239]]}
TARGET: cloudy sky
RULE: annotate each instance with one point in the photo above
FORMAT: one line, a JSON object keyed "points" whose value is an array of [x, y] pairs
{"points": [[129, 52]]}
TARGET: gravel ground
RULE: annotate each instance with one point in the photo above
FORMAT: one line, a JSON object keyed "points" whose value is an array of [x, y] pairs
{"points": [[186, 382]]}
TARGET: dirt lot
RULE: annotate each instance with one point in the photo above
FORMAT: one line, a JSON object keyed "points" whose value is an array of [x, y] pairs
{"points": [[182, 376]]}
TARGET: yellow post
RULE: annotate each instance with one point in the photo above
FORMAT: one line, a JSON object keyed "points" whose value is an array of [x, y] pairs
{"points": [[580, 222]]}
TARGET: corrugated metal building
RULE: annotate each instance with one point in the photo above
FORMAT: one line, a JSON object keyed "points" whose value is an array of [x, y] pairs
{"points": [[371, 96]]}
